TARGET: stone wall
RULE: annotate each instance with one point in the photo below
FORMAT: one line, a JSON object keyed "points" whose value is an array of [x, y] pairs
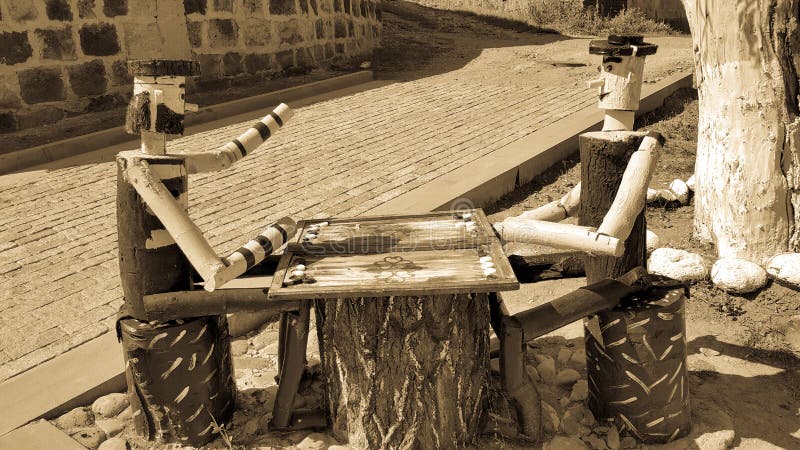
{"points": [[61, 58]]}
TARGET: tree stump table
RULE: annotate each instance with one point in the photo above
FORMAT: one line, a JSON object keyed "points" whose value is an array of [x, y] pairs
{"points": [[403, 321]]}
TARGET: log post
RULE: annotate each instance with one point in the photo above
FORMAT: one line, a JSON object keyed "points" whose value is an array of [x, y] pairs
{"points": [[431, 354], [636, 353]]}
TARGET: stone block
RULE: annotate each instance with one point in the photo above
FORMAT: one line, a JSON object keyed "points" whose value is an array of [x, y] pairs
{"points": [[142, 40], [39, 117], [194, 6], [231, 64], [142, 8], [118, 75], [254, 63], [223, 5], [282, 7], [86, 9], [88, 78], [285, 59], [14, 47], [99, 39], [253, 8], [8, 122], [41, 85], [195, 31], [21, 10], [340, 28], [113, 8], [210, 66], [9, 92], [222, 33], [290, 32], [56, 44], [304, 59], [58, 10], [318, 52], [257, 32]]}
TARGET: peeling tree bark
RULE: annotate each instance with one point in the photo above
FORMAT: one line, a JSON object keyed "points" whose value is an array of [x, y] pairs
{"points": [[747, 175], [405, 372]]}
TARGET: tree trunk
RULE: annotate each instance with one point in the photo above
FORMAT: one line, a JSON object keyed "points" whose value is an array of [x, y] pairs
{"points": [[747, 175], [405, 372]]}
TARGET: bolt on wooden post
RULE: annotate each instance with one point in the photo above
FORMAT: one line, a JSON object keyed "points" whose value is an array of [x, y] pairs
{"points": [[179, 372], [636, 352]]}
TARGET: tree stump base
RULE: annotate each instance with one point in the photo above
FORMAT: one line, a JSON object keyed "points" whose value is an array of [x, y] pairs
{"points": [[405, 372]]}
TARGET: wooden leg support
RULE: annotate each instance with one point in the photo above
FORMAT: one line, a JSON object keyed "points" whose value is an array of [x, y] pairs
{"points": [[291, 365], [519, 388], [282, 330]]}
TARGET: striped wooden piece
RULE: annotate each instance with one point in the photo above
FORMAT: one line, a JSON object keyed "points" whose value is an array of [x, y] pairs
{"points": [[427, 272], [636, 365], [377, 234], [180, 378], [223, 157], [253, 252]]}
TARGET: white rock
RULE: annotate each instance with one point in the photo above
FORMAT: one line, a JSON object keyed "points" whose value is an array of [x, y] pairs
{"points": [[239, 347], [126, 414], [111, 427], [580, 391], [567, 377], [690, 183], [612, 438], [578, 357], [547, 370], [549, 418], [653, 242], [89, 437], [681, 191], [738, 276], [709, 352], [533, 374], [76, 418], [316, 441], [563, 356], [678, 264], [115, 443], [785, 267], [715, 440], [652, 195], [110, 405], [565, 443]]}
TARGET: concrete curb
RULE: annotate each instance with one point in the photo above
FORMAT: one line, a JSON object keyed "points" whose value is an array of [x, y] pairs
{"points": [[77, 145], [96, 368]]}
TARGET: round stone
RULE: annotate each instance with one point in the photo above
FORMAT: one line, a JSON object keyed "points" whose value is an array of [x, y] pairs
{"points": [[677, 264], [690, 183], [567, 377], [681, 191], [76, 418], [653, 241], [110, 405], [738, 276], [786, 268]]}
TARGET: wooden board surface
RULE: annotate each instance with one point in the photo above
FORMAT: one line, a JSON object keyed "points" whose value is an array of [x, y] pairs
{"points": [[423, 272], [377, 234], [39, 435]]}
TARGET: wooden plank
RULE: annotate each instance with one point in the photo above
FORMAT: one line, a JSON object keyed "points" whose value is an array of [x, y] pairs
{"points": [[426, 272], [377, 234], [39, 435], [73, 379]]}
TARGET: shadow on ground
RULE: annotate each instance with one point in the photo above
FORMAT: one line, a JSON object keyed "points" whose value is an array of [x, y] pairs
{"points": [[419, 41]]}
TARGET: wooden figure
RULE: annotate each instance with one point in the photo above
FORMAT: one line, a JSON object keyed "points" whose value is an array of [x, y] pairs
{"points": [[175, 339]]}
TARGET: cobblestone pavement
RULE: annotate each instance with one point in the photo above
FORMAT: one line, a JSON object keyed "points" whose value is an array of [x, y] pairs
{"points": [[59, 283]]}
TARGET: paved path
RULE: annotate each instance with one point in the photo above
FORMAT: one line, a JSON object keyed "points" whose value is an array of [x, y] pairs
{"points": [[58, 260]]}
